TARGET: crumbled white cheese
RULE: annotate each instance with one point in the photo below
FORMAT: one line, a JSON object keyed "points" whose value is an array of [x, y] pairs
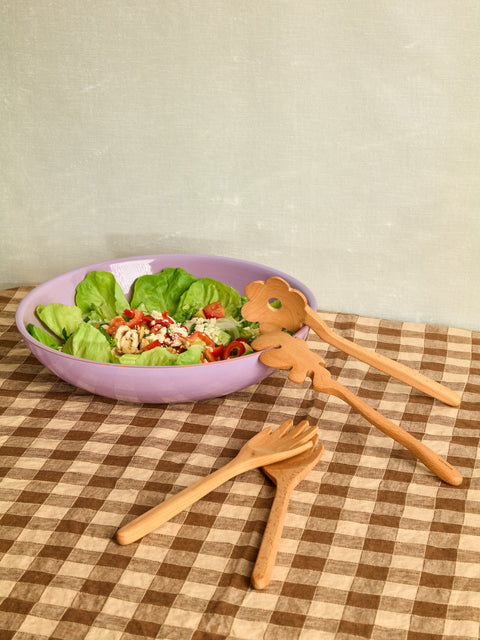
{"points": [[208, 326], [178, 329]]}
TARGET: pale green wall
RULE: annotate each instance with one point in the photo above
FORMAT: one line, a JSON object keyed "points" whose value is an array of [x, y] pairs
{"points": [[336, 140]]}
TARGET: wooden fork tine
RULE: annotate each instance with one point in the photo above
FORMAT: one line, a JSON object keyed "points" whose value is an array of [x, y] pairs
{"points": [[266, 431], [283, 428], [305, 436], [301, 426]]}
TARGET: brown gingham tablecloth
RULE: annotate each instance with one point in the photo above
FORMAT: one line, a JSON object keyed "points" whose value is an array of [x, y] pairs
{"points": [[374, 545]]}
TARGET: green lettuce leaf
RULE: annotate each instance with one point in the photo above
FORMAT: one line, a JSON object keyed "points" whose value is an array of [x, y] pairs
{"points": [[42, 336], [161, 357], [205, 291], [190, 356], [100, 297], [61, 319], [223, 338], [249, 330], [156, 357], [161, 291], [89, 343]]}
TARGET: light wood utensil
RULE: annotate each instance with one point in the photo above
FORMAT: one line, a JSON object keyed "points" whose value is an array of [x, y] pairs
{"points": [[266, 447], [286, 475], [287, 352], [295, 311]]}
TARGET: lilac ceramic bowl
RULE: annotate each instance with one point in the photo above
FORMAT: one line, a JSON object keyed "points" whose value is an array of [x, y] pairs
{"points": [[134, 383]]}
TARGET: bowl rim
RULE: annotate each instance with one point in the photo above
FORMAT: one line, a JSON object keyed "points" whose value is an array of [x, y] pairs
{"points": [[98, 265]]}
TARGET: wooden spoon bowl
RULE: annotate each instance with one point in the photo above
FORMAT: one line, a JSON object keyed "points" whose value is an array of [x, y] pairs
{"points": [[286, 475]]}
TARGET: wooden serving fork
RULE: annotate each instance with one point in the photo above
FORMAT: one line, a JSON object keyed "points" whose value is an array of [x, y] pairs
{"points": [[290, 353], [266, 447], [295, 311]]}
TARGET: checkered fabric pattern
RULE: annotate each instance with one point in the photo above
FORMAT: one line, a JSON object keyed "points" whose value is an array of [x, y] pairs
{"points": [[374, 545]]}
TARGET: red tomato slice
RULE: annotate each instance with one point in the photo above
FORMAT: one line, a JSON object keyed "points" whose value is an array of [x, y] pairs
{"points": [[113, 325], [214, 310]]}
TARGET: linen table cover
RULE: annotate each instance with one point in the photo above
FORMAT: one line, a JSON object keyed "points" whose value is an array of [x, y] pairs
{"points": [[374, 545]]}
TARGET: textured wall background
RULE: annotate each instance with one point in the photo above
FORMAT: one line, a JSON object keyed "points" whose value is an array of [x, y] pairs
{"points": [[337, 141]]}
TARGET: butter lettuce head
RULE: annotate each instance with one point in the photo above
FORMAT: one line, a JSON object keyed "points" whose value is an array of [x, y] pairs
{"points": [[161, 291], [61, 319], [42, 336], [100, 297], [89, 343], [205, 291]]}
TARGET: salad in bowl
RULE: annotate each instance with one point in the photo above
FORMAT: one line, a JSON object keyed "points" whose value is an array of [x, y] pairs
{"points": [[173, 318]]}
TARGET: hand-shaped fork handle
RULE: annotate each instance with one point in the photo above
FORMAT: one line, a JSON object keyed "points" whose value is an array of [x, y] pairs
{"points": [[266, 447], [287, 352], [294, 311]]}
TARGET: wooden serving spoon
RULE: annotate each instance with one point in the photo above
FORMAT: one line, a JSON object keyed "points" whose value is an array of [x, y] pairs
{"points": [[264, 448], [286, 474], [294, 312], [290, 353]]}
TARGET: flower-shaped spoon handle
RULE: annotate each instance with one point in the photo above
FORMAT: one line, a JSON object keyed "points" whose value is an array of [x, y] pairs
{"points": [[294, 311]]}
